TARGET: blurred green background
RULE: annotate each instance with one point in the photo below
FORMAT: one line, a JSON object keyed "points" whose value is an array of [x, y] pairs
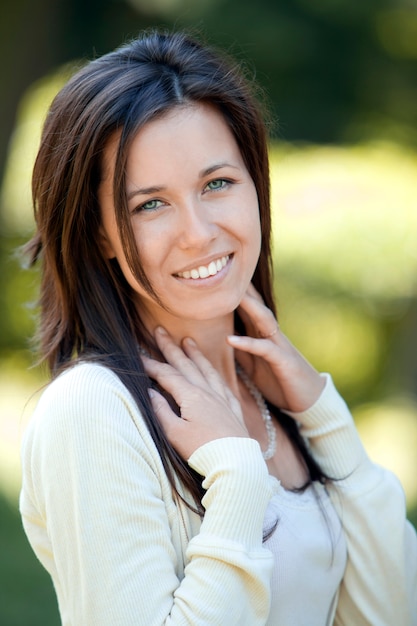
{"points": [[341, 79]]}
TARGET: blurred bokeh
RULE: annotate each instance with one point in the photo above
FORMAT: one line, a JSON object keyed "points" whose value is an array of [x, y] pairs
{"points": [[340, 78]]}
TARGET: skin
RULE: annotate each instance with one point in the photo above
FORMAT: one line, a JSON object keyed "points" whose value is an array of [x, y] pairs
{"points": [[192, 201]]}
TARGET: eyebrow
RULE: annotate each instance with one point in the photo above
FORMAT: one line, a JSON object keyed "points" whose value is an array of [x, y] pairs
{"points": [[215, 167], [144, 191], [148, 191]]}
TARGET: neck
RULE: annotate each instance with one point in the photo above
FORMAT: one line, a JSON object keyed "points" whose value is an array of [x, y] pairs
{"points": [[210, 337]]}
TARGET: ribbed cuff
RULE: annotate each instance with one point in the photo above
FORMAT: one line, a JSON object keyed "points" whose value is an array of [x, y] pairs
{"points": [[330, 430], [238, 488]]}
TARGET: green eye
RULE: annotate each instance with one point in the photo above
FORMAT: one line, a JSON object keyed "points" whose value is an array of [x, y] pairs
{"points": [[151, 205], [219, 183]]}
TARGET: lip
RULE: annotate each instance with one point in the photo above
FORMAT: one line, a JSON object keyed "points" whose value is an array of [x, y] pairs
{"points": [[205, 262]]}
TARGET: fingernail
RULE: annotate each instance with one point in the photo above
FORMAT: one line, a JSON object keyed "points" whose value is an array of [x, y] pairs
{"points": [[161, 331], [189, 341], [234, 338], [151, 393]]}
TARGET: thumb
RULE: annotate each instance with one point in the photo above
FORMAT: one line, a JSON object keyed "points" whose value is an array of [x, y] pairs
{"points": [[160, 405]]}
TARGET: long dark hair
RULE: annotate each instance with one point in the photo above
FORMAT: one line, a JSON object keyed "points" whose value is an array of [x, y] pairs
{"points": [[86, 305]]}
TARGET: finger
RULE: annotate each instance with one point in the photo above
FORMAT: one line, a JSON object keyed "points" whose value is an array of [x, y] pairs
{"points": [[170, 422], [254, 293], [261, 318], [211, 376], [167, 377], [178, 385], [161, 406], [234, 405], [190, 362], [248, 324], [251, 345], [247, 320], [177, 358], [283, 358]]}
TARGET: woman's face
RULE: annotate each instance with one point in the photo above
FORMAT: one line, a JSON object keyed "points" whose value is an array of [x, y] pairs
{"points": [[194, 212]]}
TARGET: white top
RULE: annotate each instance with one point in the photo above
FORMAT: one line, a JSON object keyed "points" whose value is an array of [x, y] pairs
{"points": [[309, 551], [122, 550]]}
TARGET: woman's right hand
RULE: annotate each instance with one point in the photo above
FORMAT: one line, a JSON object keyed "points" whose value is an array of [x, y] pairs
{"points": [[208, 408]]}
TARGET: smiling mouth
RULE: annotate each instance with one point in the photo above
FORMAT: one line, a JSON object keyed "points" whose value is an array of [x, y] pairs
{"points": [[204, 271]]}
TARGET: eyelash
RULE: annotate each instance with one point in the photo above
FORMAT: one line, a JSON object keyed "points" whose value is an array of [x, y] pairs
{"points": [[226, 182], [142, 206]]}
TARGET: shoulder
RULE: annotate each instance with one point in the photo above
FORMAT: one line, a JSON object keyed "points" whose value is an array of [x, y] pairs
{"points": [[81, 381], [84, 387], [87, 403], [87, 437]]}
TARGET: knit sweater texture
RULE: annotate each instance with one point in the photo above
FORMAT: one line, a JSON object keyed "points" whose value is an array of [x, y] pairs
{"points": [[123, 549]]}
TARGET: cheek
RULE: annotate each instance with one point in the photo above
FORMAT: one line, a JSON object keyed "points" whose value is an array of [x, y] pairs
{"points": [[253, 223], [256, 241], [151, 246], [254, 236]]}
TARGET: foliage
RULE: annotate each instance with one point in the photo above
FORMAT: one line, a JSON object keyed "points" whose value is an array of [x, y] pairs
{"points": [[347, 218], [345, 224], [26, 593], [338, 73], [334, 70]]}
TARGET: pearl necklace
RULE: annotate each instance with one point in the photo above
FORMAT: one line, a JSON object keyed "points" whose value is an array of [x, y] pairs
{"points": [[264, 411]]}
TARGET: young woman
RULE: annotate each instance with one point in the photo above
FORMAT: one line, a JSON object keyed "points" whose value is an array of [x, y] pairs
{"points": [[186, 465]]}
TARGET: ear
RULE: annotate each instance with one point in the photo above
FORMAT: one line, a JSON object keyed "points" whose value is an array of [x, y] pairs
{"points": [[104, 244]]}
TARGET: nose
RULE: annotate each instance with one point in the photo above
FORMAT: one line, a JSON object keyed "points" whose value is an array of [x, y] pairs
{"points": [[196, 225]]}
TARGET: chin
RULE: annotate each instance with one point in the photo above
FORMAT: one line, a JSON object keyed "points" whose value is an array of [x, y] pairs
{"points": [[211, 311]]}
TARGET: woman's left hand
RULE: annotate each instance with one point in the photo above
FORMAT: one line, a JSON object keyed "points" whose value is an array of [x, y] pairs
{"points": [[281, 373], [208, 408]]}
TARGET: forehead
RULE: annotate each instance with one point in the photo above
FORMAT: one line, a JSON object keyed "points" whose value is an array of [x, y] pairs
{"points": [[181, 137]]}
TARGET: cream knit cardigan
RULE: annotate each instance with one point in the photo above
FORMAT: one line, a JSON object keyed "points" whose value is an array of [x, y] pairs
{"points": [[100, 515]]}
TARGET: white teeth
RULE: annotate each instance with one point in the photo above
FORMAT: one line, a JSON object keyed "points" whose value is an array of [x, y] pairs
{"points": [[204, 271], [212, 268]]}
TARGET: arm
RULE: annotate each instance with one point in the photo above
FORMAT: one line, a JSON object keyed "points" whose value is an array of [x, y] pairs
{"points": [[93, 479], [380, 582]]}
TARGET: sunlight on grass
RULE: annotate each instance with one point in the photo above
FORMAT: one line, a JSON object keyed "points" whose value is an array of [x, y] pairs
{"points": [[345, 255], [16, 188], [345, 232], [348, 216], [19, 391], [333, 334], [389, 433]]}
